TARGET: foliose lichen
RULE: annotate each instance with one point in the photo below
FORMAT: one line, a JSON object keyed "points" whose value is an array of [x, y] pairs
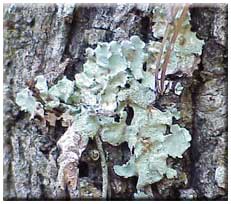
{"points": [[187, 47], [113, 97]]}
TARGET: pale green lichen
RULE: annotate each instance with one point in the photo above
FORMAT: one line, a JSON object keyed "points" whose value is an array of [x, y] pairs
{"points": [[186, 47], [26, 101], [152, 146], [62, 90], [135, 55], [113, 97], [41, 84]]}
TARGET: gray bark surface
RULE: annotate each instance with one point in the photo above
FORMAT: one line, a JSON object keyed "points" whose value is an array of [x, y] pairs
{"points": [[51, 40]]}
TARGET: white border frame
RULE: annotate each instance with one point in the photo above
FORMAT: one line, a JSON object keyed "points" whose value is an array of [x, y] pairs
{"points": [[106, 1]]}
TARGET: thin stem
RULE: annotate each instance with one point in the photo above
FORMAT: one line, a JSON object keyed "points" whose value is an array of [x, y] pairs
{"points": [[166, 36], [160, 55], [103, 166], [171, 46]]}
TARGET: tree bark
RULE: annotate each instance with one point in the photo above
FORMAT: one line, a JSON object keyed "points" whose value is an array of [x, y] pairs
{"points": [[51, 39]]}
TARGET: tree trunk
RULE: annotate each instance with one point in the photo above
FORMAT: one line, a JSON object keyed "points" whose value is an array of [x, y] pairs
{"points": [[51, 40]]}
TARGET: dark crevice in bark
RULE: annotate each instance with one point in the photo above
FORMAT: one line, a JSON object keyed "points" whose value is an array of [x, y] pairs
{"points": [[125, 149], [198, 19], [58, 131], [83, 169], [70, 70], [156, 194], [195, 90], [82, 18], [146, 29], [70, 35]]}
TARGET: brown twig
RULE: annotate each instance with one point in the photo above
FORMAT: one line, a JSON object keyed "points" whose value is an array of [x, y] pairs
{"points": [[171, 46], [103, 166], [166, 36], [159, 57]]}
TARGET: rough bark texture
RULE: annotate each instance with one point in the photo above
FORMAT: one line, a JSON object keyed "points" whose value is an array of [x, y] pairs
{"points": [[51, 40]]}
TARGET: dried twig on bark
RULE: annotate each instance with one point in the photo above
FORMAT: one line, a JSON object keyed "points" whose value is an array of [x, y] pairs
{"points": [[171, 46], [166, 36], [103, 166], [72, 144]]}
